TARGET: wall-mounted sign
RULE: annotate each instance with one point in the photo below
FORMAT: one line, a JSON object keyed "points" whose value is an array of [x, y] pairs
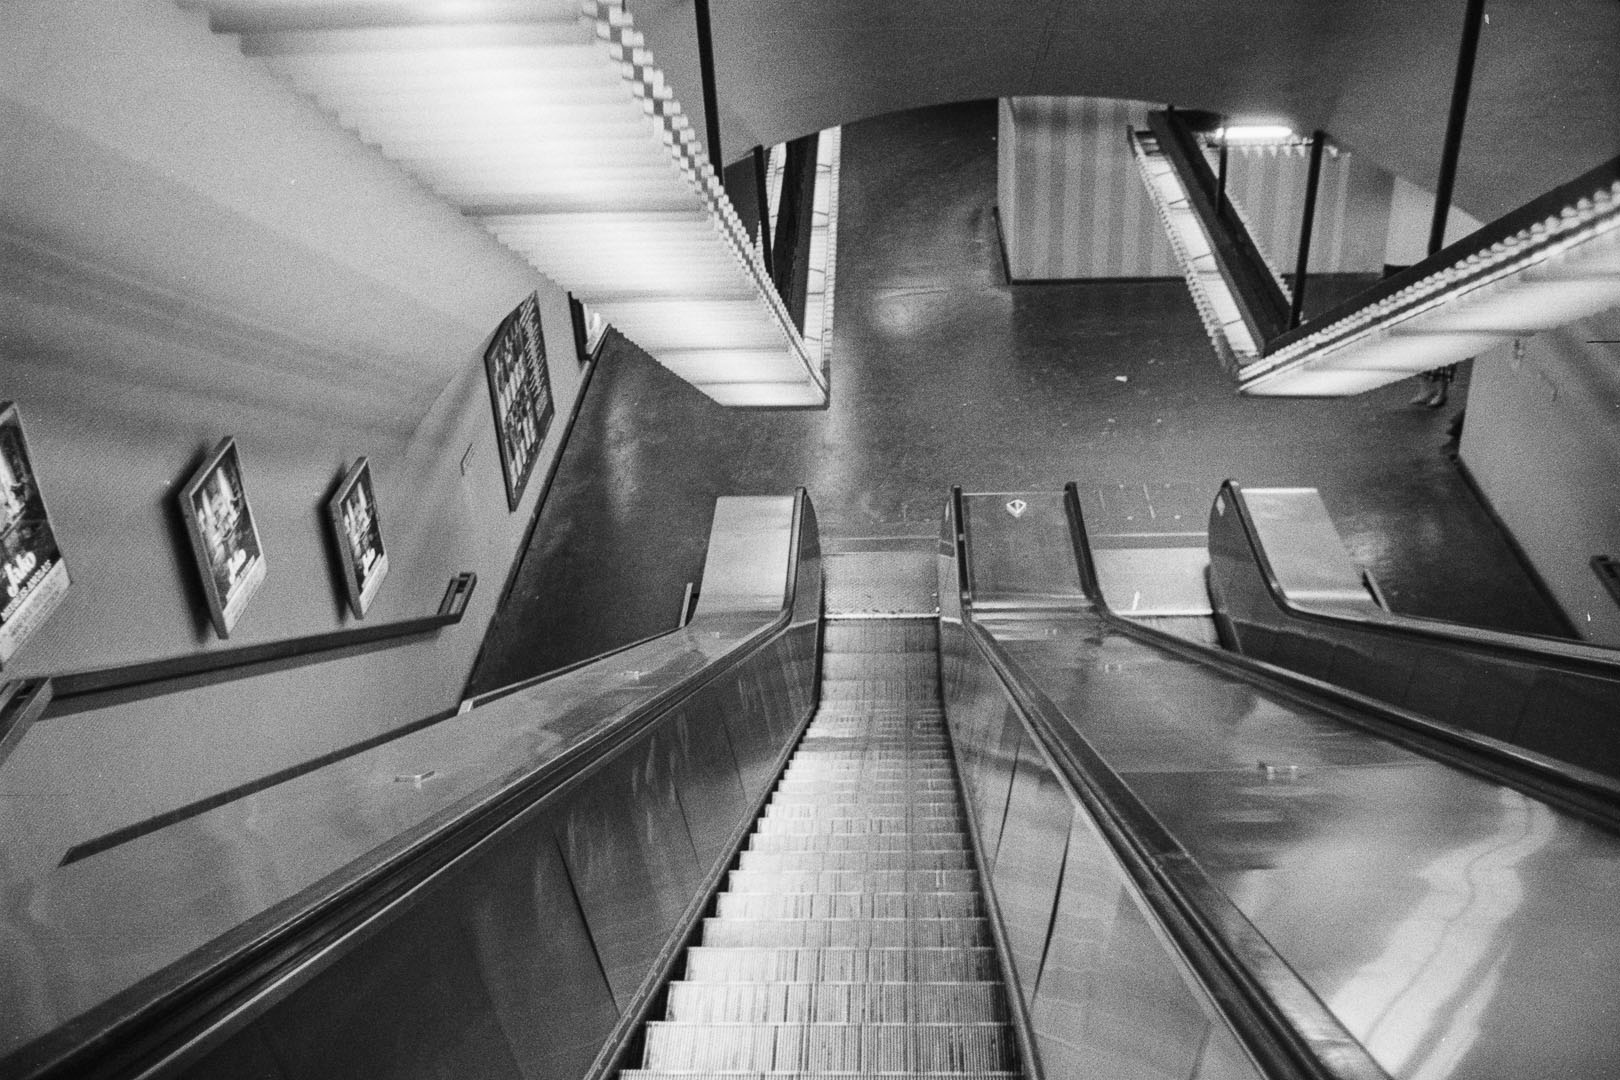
{"points": [[33, 578], [353, 512], [224, 538], [520, 391]]}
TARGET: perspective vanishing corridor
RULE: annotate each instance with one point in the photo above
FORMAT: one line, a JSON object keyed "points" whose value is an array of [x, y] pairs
{"points": [[852, 939]]}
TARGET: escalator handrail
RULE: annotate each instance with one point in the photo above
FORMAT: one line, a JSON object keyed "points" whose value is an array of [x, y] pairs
{"points": [[1540, 649], [1279, 1020], [1480, 241], [185, 1007], [1584, 793], [477, 700]]}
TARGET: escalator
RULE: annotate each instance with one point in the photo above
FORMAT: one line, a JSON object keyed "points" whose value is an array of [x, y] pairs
{"points": [[1284, 591], [1015, 836], [851, 939]]}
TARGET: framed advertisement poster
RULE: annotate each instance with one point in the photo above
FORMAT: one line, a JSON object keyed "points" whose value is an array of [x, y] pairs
{"points": [[355, 525], [224, 538], [33, 577], [520, 391]]}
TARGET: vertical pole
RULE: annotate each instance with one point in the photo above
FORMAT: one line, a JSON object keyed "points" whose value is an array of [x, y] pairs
{"points": [[711, 104], [1452, 147], [760, 181], [1312, 182], [1220, 187]]}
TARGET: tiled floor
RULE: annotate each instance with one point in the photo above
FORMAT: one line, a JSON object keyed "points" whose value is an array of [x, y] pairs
{"points": [[943, 374]]}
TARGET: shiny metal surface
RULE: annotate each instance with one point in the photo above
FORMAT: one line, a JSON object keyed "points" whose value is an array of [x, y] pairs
{"points": [[1018, 552], [97, 927], [1457, 928], [1026, 875], [1284, 595], [634, 872], [1105, 994], [750, 547]]}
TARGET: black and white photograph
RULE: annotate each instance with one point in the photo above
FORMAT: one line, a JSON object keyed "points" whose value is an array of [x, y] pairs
{"points": [[358, 533], [224, 537], [35, 579], [520, 391], [1018, 539]]}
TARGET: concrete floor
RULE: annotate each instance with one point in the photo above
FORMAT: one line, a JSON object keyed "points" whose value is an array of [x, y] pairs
{"points": [[943, 374]]}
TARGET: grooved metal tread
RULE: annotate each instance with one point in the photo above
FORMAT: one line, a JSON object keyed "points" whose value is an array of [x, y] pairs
{"points": [[834, 1002], [947, 1047], [851, 940], [841, 964]]}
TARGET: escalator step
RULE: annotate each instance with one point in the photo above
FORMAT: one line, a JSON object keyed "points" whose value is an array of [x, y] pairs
{"points": [[931, 841], [811, 810], [848, 881], [863, 635], [842, 964], [837, 1003], [779, 825], [850, 905], [866, 665], [857, 933], [819, 1074], [854, 860], [862, 1048]]}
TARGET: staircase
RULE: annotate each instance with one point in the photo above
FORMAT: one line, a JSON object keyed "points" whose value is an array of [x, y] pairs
{"points": [[852, 939]]}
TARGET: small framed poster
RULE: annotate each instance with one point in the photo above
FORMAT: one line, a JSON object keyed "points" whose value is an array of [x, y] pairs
{"points": [[33, 577], [224, 537], [353, 512], [520, 391]]}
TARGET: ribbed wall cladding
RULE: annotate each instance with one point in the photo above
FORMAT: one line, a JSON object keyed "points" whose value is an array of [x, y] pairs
{"points": [[852, 939]]}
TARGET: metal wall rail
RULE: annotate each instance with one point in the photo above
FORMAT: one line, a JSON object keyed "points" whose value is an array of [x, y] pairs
{"points": [[591, 865], [1550, 695], [1260, 297], [154, 677], [1279, 1022], [1582, 792]]}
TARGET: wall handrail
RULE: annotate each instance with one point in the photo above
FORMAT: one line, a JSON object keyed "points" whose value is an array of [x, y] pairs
{"points": [[151, 678]]}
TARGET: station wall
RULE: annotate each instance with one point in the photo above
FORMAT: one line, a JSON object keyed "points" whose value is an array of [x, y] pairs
{"points": [[193, 251], [1542, 439]]}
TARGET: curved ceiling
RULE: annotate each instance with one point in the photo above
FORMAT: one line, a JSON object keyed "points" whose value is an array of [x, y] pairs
{"points": [[1375, 74]]}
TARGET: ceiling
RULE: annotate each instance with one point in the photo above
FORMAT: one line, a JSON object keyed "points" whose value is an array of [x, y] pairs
{"points": [[1375, 74]]}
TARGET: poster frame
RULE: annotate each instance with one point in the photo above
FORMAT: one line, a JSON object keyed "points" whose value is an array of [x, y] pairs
{"points": [[360, 583], [37, 569], [227, 598], [520, 394]]}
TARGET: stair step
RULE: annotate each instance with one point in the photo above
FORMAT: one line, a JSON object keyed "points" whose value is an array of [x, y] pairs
{"points": [[811, 810], [928, 841], [849, 881], [849, 905], [853, 933], [868, 1048], [854, 860], [819, 1074], [922, 785], [706, 963], [797, 825], [837, 1003]]}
